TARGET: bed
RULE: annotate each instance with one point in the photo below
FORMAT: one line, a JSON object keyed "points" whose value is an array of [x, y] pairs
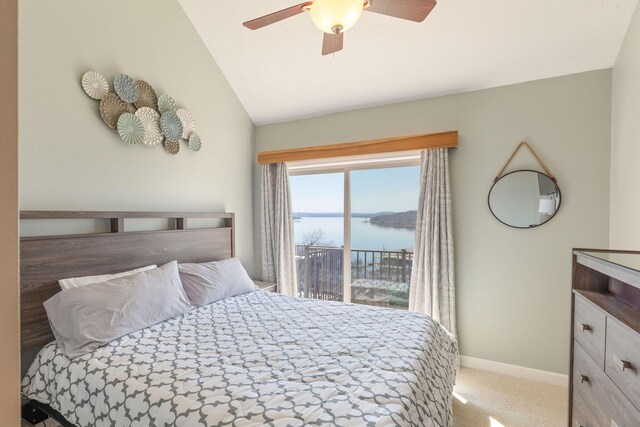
{"points": [[256, 359]]}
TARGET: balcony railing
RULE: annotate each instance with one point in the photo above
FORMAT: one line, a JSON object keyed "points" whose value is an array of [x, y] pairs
{"points": [[320, 273], [378, 277]]}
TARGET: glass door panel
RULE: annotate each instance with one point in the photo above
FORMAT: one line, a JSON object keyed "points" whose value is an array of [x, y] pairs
{"points": [[383, 221], [318, 224]]}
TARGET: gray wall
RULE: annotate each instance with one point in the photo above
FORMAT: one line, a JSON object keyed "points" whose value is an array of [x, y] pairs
{"points": [[70, 160], [513, 286], [625, 146]]}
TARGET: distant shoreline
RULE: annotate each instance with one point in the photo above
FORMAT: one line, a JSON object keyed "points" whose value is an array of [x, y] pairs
{"points": [[394, 225], [399, 219], [299, 215], [382, 219]]}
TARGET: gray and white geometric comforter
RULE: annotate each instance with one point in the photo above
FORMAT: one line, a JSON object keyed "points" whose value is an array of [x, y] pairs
{"points": [[260, 359]]}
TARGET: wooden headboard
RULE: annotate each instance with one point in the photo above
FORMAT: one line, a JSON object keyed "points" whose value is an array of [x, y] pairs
{"points": [[46, 259]]}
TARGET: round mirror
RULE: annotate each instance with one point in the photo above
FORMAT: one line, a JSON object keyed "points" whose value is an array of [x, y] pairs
{"points": [[524, 199]]}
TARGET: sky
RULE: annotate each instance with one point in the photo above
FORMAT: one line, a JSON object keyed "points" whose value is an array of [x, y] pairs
{"points": [[372, 190]]}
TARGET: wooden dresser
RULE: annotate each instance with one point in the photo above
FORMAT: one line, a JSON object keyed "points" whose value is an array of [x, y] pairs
{"points": [[604, 388]]}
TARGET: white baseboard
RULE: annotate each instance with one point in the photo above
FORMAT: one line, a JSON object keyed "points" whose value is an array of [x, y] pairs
{"points": [[515, 371]]}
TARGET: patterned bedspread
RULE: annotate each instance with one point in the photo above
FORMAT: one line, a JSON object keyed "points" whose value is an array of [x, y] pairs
{"points": [[259, 359]]}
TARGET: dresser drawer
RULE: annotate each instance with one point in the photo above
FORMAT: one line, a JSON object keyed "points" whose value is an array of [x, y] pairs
{"points": [[623, 359], [589, 329], [582, 416], [606, 401]]}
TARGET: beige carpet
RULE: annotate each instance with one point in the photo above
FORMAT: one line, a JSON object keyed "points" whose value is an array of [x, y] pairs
{"points": [[483, 399]]}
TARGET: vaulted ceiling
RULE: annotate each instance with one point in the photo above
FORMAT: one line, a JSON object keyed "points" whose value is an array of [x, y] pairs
{"points": [[279, 74]]}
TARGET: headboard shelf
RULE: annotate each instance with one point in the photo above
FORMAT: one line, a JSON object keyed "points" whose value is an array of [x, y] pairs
{"points": [[119, 214], [178, 230], [46, 259]]}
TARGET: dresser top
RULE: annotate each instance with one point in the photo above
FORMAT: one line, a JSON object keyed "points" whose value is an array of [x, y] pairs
{"points": [[621, 265], [624, 259]]}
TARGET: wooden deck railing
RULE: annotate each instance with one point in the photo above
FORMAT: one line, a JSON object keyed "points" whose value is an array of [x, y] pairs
{"points": [[392, 266], [320, 272]]}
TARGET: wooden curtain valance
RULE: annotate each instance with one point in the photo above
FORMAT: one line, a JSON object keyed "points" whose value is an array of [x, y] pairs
{"points": [[377, 146], [525, 144]]}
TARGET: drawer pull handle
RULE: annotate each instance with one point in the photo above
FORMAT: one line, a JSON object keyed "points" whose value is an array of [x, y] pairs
{"points": [[583, 378], [624, 364], [584, 327]]}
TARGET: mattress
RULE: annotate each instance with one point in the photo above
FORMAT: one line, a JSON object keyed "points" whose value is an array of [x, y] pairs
{"points": [[259, 359]]}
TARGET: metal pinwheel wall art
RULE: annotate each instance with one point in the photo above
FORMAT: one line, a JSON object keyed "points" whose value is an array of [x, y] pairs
{"points": [[139, 115]]}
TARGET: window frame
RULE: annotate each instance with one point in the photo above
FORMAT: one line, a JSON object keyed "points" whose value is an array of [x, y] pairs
{"points": [[346, 165]]}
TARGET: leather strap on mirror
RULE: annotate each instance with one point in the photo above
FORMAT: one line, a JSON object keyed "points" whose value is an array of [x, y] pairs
{"points": [[526, 144]]}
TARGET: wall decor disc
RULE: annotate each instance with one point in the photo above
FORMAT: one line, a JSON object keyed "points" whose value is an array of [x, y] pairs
{"points": [[111, 107], [130, 128], [147, 97], [194, 142], [151, 121], [125, 88], [188, 122], [166, 103], [94, 84], [173, 147], [171, 125]]}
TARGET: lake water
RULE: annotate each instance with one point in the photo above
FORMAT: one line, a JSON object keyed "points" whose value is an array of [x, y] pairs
{"points": [[363, 234]]}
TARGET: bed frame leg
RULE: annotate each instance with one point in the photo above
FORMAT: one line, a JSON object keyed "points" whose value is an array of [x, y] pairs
{"points": [[32, 414]]}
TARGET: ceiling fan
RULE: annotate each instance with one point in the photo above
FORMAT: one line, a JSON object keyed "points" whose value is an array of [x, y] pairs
{"points": [[334, 17]]}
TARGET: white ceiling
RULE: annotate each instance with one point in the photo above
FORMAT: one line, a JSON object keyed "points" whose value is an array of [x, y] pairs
{"points": [[278, 72]]}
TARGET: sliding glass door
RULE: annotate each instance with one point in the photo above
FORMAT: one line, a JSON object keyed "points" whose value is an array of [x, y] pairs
{"points": [[354, 229], [383, 224]]}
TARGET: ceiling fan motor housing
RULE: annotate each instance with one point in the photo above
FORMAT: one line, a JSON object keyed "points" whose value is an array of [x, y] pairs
{"points": [[328, 15]]}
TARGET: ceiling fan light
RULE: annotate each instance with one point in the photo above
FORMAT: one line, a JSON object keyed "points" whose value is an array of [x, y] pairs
{"points": [[330, 14]]}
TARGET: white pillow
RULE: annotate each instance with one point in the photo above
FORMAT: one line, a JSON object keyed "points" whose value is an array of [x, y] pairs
{"points": [[85, 318], [77, 282], [212, 281]]}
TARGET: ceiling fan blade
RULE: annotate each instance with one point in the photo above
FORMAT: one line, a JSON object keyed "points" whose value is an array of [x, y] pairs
{"points": [[412, 10], [332, 43], [272, 18]]}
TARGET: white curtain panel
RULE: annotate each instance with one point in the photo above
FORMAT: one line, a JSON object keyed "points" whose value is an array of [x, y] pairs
{"points": [[278, 251], [432, 276]]}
